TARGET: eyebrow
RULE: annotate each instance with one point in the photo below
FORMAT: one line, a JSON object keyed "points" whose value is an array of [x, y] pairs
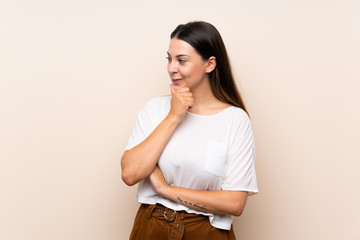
{"points": [[179, 55]]}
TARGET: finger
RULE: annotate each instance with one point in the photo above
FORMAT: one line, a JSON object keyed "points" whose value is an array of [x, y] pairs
{"points": [[183, 89], [172, 88], [186, 94]]}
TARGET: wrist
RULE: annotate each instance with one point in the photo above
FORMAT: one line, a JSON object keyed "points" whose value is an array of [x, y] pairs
{"points": [[173, 119], [165, 191]]}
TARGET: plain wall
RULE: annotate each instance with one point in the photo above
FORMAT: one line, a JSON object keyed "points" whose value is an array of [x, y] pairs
{"points": [[74, 74]]}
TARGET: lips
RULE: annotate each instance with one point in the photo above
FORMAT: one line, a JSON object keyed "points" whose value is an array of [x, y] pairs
{"points": [[176, 80]]}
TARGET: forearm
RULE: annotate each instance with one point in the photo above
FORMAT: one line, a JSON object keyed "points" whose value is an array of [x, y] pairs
{"points": [[139, 162], [221, 202]]}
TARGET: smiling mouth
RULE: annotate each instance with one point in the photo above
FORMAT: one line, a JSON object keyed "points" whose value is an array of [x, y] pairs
{"points": [[176, 80]]}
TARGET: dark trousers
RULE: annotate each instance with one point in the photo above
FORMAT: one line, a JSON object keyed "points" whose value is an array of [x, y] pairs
{"points": [[156, 222]]}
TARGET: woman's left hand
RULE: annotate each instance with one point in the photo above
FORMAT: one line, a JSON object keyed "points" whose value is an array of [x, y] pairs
{"points": [[158, 181]]}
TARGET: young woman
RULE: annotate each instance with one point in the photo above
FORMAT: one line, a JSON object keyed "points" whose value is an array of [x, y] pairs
{"points": [[193, 152]]}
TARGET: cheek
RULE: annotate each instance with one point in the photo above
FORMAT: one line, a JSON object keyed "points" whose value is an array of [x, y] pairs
{"points": [[195, 71], [188, 71]]}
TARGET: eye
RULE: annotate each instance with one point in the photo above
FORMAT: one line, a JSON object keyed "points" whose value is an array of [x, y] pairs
{"points": [[168, 58], [182, 60]]}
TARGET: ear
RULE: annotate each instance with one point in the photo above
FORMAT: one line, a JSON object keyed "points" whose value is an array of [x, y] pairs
{"points": [[210, 65]]}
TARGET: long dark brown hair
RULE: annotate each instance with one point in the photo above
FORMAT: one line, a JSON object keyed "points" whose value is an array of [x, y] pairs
{"points": [[207, 41]]}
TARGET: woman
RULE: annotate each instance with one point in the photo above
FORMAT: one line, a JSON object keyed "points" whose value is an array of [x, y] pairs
{"points": [[193, 152]]}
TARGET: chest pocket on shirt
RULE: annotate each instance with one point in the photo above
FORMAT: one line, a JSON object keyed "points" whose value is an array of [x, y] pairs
{"points": [[216, 158]]}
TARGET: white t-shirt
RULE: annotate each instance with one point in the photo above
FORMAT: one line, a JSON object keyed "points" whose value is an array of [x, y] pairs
{"points": [[207, 153]]}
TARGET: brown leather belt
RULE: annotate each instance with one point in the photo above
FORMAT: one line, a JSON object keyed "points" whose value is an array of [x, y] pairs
{"points": [[168, 213]]}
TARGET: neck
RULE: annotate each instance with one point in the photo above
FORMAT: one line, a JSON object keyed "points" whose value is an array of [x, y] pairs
{"points": [[203, 96]]}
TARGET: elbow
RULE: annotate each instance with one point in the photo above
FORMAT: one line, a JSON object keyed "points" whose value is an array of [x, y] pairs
{"points": [[238, 212], [128, 178], [238, 209], [127, 175], [238, 203]]}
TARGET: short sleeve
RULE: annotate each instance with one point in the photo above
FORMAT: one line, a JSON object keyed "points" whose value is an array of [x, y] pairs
{"points": [[240, 172], [143, 127]]}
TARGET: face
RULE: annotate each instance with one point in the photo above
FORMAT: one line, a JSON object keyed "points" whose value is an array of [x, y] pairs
{"points": [[185, 65]]}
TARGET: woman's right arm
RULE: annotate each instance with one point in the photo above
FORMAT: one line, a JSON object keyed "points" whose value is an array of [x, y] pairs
{"points": [[140, 161]]}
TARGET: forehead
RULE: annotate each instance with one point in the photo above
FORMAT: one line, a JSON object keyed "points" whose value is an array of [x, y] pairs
{"points": [[178, 46]]}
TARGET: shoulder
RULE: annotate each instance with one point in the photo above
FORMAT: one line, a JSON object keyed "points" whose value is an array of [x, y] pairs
{"points": [[241, 128], [240, 119], [239, 114]]}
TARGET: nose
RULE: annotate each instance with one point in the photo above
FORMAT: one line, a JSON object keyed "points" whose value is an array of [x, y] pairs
{"points": [[172, 67]]}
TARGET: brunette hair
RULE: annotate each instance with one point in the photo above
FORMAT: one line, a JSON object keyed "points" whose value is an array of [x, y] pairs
{"points": [[207, 41]]}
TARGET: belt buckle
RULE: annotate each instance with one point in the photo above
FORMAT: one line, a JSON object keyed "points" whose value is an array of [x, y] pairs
{"points": [[173, 215]]}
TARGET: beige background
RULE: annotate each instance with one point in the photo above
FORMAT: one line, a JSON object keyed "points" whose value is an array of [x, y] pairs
{"points": [[75, 73]]}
